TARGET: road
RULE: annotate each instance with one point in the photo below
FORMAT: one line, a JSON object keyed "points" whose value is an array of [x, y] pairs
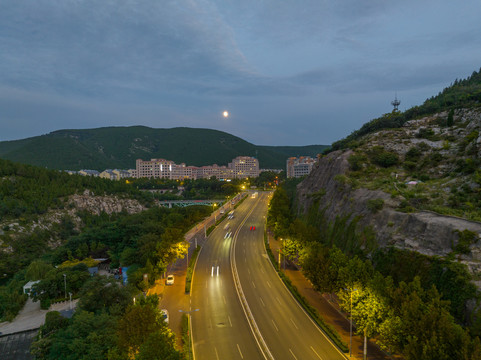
{"points": [[220, 328]]}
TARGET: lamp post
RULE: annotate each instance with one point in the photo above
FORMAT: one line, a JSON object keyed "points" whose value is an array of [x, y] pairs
{"points": [[65, 284], [350, 327]]}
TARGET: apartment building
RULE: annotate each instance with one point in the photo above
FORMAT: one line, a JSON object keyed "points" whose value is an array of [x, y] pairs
{"points": [[240, 167], [244, 167], [298, 167]]}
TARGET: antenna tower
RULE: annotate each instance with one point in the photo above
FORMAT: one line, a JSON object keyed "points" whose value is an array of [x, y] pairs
{"points": [[395, 103]]}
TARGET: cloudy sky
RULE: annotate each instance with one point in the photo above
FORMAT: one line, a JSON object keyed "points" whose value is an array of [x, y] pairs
{"points": [[290, 72]]}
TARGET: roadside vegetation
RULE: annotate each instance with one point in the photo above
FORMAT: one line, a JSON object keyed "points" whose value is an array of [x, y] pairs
{"points": [[413, 305], [108, 324]]}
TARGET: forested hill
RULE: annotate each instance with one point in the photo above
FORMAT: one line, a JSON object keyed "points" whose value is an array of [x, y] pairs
{"points": [[119, 147], [464, 93]]}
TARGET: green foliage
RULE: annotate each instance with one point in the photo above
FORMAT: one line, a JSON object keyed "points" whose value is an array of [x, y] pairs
{"points": [[450, 120], [268, 179], [405, 298], [27, 191], [383, 158], [329, 330], [356, 161], [374, 205], [190, 269], [413, 154], [12, 298], [88, 336], [55, 285], [466, 238], [279, 214], [102, 294], [37, 270], [136, 327], [462, 93], [79, 149], [186, 342], [427, 133]]}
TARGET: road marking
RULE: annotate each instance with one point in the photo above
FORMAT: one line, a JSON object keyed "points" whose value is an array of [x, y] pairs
{"points": [[262, 271], [294, 324], [216, 355], [253, 284], [293, 354], [275, 325], [230, 322], [278, 300], [245, 259], [212, 271], [248, 271], [217, 271], [269, 284], [262, 302], [224, 299], [240, 352], [316, 353]]}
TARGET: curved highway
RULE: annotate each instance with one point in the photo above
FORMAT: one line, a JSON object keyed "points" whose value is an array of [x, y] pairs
{"points": [[220, 328]]}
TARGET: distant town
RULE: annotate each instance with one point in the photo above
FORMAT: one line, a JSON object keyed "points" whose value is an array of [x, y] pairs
{"points": [[241, 167]]}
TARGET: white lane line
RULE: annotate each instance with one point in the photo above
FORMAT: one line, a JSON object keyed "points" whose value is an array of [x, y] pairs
{"points": [[240, 352], [293, 354], [262, 302], [245, 259], [273, 323], [248, 271], [216, 354], [292, 321], [262, 271], [278, 300], [269, 284], [230, 322], [316, 353], [253, 284]]}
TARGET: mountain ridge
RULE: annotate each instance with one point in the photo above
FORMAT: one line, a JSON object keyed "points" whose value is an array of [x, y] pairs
{"points": [[120, 146]]}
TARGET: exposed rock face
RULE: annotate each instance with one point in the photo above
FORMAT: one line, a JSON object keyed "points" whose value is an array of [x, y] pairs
{"points": [[425, 232], [107, 204]]}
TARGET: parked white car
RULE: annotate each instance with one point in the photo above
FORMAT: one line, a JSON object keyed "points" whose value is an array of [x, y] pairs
{"points": [[170, 280], [165, 315]]}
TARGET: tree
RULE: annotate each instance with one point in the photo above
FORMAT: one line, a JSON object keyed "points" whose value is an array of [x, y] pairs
{"points": [[159, 345], [104, 294], [89, 336], [37, 270], [450, 120], [137, 325]]}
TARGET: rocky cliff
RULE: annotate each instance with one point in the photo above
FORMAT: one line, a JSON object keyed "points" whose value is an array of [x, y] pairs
{"points": [[378, 195]]}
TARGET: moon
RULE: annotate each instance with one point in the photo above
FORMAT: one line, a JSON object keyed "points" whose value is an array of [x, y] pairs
{"points": [[225, 114]]}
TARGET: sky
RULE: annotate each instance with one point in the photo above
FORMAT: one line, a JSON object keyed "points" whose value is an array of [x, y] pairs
{"points": [[289, 72]]}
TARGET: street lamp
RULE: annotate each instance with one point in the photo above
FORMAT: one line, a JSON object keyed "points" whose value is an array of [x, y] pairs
{"points": [[65, 284], [350, 328]]}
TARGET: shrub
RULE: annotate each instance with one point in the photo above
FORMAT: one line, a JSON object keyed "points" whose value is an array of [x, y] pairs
{"points": [[413, 154], [374, 205], [45, 304], [356, 162]]}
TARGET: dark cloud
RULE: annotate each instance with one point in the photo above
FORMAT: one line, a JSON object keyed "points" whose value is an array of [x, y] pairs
{"points": [[297, 72]]}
